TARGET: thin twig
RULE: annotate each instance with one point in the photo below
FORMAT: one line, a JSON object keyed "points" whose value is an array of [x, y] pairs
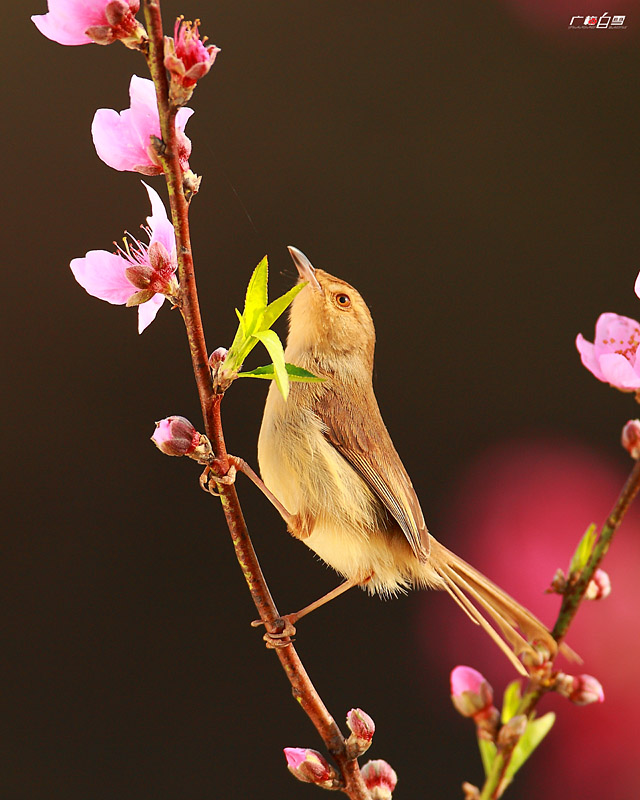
{"points": [[493, 787], [302, 688]]}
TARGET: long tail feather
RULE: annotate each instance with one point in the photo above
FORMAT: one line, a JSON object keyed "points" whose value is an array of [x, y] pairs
{"points": [[470, 588]]}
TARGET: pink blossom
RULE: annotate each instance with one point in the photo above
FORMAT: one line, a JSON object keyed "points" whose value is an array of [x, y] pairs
{"points": [[186, 56], [612, 356], [123, 140], [73, 22], [105, 275]]}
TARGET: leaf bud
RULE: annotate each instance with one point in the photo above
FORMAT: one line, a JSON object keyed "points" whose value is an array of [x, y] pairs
{"points": [[362, 728], [511, 731], [599, 586], [631, 438], [380, 779], [309, 766]]}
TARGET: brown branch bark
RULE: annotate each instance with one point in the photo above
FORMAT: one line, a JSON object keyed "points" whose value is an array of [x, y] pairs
{"points": [[302, 688]]}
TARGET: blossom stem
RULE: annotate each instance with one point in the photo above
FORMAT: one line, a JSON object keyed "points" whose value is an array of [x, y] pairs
{"points": [[494, 785], [303, 690]]}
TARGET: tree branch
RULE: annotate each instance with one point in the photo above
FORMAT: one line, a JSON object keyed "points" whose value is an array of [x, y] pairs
{"points": [[493, 787], [302, 688]]}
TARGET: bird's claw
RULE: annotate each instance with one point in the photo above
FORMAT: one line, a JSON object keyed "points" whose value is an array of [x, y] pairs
{"points": [[279, 638], [208, 480]]}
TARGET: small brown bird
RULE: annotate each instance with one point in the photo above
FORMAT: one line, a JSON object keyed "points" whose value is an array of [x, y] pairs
{"points": [[327, 456]]}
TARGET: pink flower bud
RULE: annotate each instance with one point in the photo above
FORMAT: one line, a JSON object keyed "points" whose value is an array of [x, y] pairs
{"points": [[599, 586], [175, 436], [309, 766], [631, 438], [586, 690], [362, 728], [470, 691], [217, 357], [379, 778]]}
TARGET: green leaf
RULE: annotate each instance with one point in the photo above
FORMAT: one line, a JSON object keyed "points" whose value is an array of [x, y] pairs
{"points": [[273, 344], [534, 733], [510, 701], [279, 306], [296, 374], [488, 752], [255, 302], [583, 550]]}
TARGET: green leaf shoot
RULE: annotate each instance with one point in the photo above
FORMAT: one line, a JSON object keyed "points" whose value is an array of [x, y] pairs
{"points": [[488, 752], [510, 701], [275, 309], [296, 374], [534, 733], [271, 341], [583, 550]]}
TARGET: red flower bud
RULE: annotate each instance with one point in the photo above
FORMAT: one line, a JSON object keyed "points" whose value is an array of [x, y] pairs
{"points": [[631, 438], [175, 436], [309, 766], [187, 59], [586, 690], [380, 779], [362, 728], [599, 586]]}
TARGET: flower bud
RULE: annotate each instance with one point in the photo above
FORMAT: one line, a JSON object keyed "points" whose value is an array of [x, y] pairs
{"points": [[175, 436], [631, 438], [380, 779], [470, 691], [217, 357], [362, 728], [309, 766], [599, 586], [558, 583], [511, 731], [580, 689]]}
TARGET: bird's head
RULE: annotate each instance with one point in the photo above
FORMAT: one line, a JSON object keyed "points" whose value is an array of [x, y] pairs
{"points": [[328, 317]]}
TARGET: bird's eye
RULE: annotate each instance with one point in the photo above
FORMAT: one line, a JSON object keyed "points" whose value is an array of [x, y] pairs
{"points": [[343, 300]]}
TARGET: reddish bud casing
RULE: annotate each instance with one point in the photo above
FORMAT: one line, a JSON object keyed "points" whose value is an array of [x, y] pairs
{"points": [[380, 779]]}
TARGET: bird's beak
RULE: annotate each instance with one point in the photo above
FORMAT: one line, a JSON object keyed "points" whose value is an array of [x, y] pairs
{"points": [[305, 268]]}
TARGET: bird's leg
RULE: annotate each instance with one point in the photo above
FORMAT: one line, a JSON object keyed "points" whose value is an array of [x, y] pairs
{"points": [[295, 525], [290, 619]]}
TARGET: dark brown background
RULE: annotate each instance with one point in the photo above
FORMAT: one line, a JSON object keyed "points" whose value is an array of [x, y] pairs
{"points": [[476, 179]]}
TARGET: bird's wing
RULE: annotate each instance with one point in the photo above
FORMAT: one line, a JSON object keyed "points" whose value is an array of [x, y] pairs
{"points": [[364, 441]]}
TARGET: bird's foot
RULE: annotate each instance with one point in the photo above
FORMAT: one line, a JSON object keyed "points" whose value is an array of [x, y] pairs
{"points": [[282, 636], [209, 480]]}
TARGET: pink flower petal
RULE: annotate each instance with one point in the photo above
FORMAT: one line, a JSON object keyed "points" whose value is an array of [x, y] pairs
{"points": [[588, 357], [161, 227], [117, 143], [618, 372], [102, 274], [122, 140], [637, 286], [147, 311], [68, 20]]}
